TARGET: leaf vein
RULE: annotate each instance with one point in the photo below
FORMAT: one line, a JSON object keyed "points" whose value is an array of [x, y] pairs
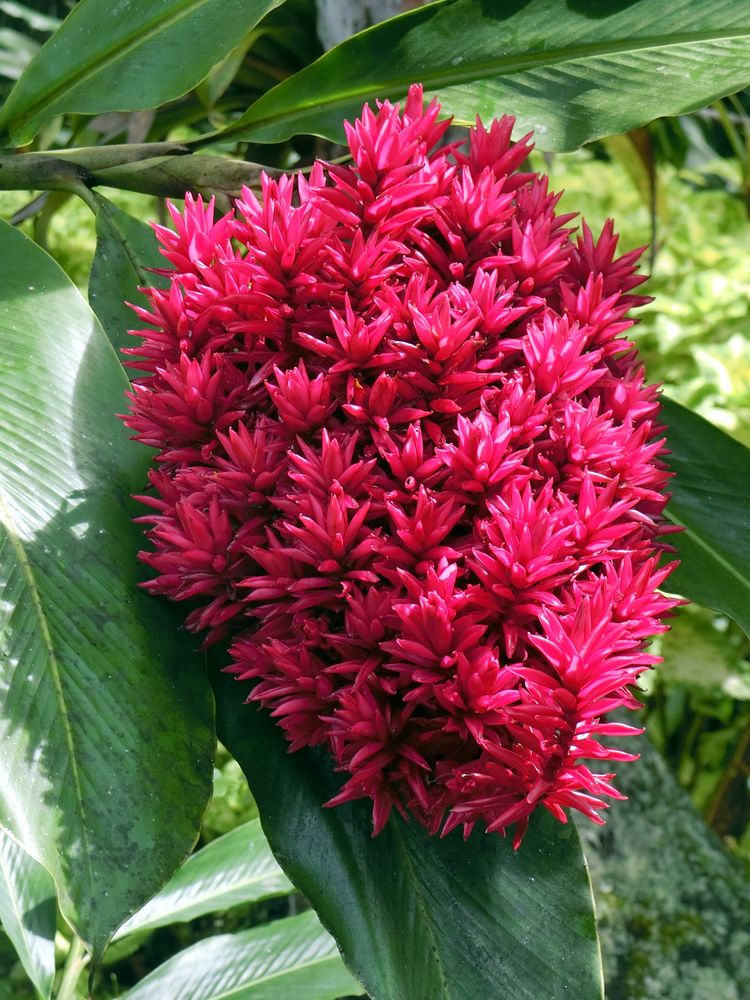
{"points": [[119, 50], [7, 520], [502, 66], [716, 555], [412, 875]]}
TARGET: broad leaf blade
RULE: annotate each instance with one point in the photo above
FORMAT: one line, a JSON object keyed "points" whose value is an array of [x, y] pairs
{"points": [[127, 56], [416, 916], [711, 500], [288, 958], [572, 72], [233, 869], [28, 912], [125, 248], [105, 715]]}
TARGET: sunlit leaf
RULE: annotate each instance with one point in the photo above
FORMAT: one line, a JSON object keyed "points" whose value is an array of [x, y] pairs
{"points": [[233, 869], [278, 961], [571, 71], [125, 56], [28, 912], [106, 733]]}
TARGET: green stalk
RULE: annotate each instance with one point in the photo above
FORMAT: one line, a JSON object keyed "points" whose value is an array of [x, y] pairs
{"points": [[75, 963], [732, 769], [169, 174]]}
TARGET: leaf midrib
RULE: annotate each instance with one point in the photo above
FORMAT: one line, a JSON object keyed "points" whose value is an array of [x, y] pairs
{"points": [[502, 66], [8, 522], [116, 51], [712, 552], [419, 902]]}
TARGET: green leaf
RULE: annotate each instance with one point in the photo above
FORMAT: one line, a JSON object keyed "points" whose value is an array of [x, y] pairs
{"points": [[572, 72], [278, 961], [105, 713], [172, 176], [28, 912], [126, 56], [233, 869], [416, 916], [125, 247], [711, 500]]}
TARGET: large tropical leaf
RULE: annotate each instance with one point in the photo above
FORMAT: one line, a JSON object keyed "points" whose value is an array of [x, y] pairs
{"points": [[711, 500], [416, 916], [570, 71], [35, 19], [124, 57], [283, 960], [125, 248], [28, 912], [105, 720], [233, 869]]}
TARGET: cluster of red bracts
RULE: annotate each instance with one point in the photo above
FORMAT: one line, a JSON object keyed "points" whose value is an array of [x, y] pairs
{"points": [[409, 464]]}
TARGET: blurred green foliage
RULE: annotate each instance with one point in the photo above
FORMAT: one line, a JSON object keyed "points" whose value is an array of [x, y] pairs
{"points": [[232, 802], [14, 983], [695, 335]]}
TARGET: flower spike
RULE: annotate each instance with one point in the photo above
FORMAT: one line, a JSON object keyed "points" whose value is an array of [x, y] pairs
{"points": [[409, 466]]}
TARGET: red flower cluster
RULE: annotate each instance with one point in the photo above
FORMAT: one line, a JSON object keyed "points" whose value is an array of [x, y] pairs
{"points": [[408, 460]]}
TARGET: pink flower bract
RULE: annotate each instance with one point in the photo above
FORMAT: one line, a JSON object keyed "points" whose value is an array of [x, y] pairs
{"points": [[409, 464]]}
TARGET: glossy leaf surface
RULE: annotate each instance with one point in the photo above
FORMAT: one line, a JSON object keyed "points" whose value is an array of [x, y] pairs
{"points": [[28, 912], [571, 71], [125, 56], [288, 958], [711, 500], [125, 247], [106, 730], [233, 869]]}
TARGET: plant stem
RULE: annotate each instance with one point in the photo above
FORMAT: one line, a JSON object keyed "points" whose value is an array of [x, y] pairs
{"points": [[730, 772], [86, 195], [163, 169], [75, 963]]}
